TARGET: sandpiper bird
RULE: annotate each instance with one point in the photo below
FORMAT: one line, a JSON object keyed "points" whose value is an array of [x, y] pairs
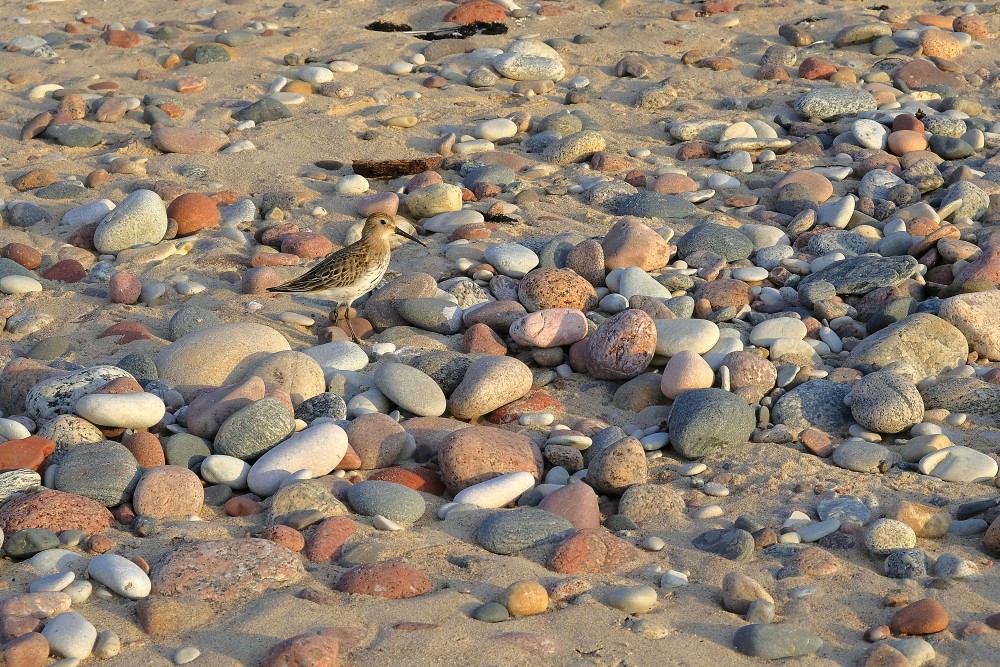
{"points": [[349, 273]]}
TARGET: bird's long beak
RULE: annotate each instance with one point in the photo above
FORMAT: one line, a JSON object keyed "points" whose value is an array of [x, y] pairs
{"points": [[411, 237]]}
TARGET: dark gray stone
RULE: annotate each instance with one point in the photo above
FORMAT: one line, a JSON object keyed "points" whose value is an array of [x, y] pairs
{"points": [[730, 543], [104, 471], [507, 531], [838, 240], [815, 404], [773, 642], [30, 541], [393, 501], [321, 405], [263, 110], [74, 136], [184, 449], [906, 564], [705, 421], [646, 204], [860, 275], [710, 237], [254, 429], [26, 214]]}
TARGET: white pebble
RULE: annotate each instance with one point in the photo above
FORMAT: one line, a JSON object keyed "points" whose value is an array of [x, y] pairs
{"points": [[382, 523], [186, 655]]}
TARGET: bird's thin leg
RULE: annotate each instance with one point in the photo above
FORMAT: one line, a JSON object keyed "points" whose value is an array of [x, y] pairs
{"points": [[350, 327]]}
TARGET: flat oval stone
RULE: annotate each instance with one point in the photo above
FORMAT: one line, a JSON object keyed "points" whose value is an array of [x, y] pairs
{"points": [[133, 410], [120, 575], [774, 642], [673, 336], [140, 218], [959, 464], [58, 395], [255, 429], [507, 531], [730, 543], [318, 449], [550, 327], [388, 499], [411, 389], [632, 599], [497, 492]]}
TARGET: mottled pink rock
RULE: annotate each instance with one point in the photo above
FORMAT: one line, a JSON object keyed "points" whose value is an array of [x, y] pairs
{"points": [[391, 579], [312, 649], [226, 571], [258, 279], [622, 346], [631, 243], [555, 288], [54, 510], [685, 370], [124, 288], [423, 179], [210, 408], [378, 439], [819, 186], [673, 184], [551, 327], [40, 605], [576, 503], [328, 539], [112, 110], [168, 492], [29, 650], [986, 267], [479, 453], [587, 259], [751, 376], [976, 315], [380, 202], [307, 245], [188, 141], [480, 339], [591, 552]]}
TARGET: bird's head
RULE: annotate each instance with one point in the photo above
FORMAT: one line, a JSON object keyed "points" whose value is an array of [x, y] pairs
{"points": [[382, 226]]}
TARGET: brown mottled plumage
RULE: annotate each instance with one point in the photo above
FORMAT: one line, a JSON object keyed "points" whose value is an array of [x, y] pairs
{"points": [[350, 273]]}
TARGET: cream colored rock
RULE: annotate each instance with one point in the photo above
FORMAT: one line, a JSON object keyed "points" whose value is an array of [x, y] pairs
{"points": [[318, 449], [135, 410]]}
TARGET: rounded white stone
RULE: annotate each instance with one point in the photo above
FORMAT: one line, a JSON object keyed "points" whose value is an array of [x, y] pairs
{"points": [[498, 128], [19, 285], [673, 336], [52, 582], [382, 523], [186, 655], [54, 560], [341, 355], [13, 430], [120, 575], [136, 410], [498, 491], [314, 74], [88, 213], [228, 470], [352, 184], [70, 635], [959, 464], [511, 259], [344, 66], [79, 591], [751, 274], [317, 449], [768, 331]]}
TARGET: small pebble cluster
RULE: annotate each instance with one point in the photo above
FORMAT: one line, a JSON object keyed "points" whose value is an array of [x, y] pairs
{"points": [[663, 352]]}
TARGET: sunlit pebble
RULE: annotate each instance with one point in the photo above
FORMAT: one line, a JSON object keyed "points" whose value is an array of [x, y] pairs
{"points": [[254, 306], [245, 125], [418, 59], [412, 95], [319, 212]]}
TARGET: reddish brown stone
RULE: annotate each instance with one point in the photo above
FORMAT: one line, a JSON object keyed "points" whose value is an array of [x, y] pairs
{"points": [[193, 212], [813, 68], [146, 449], [537, 400], [481, 339], [693, 150], [327, 542], [286, 536], [816, 442], [124, 288], [123, 39], [66, 271], [160, 616], [418, 479], [244, 506], [27, 453], [23, 254], [226, 571], [54, 510], [126, 332], [592, 552], [36, 178], [391, 579], [28, 650], [168, 492], [577, 503], [312, 649], [923, 617], [377, 439], [479, 453]]}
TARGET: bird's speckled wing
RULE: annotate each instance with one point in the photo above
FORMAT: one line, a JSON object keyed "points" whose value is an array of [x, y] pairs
{"points": [[339, 269]]}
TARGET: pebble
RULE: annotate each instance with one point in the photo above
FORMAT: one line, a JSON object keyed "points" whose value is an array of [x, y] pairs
{"points": [[317, 449], [120, 575], [393, 501], [70, 635], [498, 491], [886, 535], [632, 599], [959, 464], [774, 642]]}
